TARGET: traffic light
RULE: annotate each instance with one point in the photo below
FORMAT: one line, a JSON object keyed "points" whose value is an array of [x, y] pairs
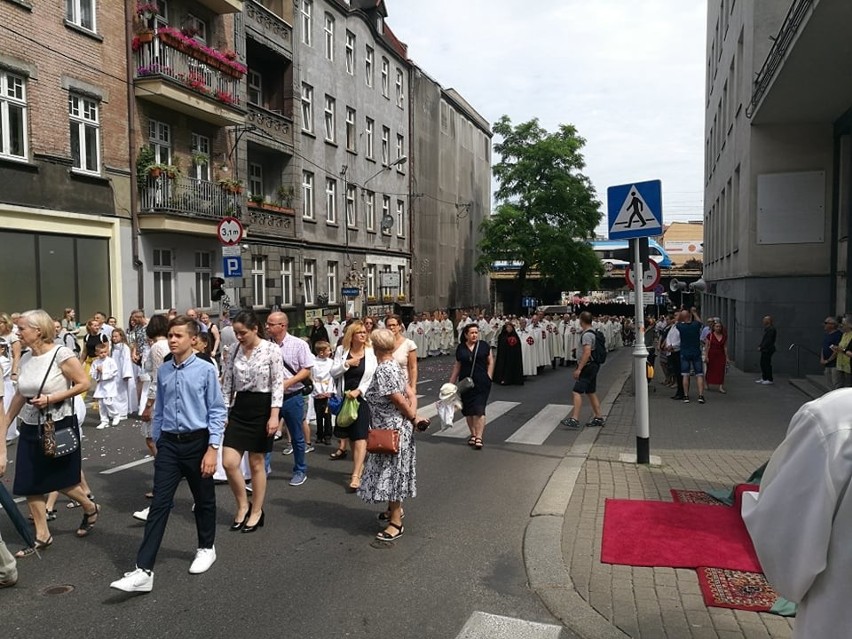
{"points": [[216, 290]]}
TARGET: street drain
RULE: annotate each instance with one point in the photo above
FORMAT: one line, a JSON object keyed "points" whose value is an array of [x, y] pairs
{"points": [[57, 590]]}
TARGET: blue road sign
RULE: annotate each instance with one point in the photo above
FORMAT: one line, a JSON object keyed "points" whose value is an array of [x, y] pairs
{"points": [[232, 266], [350, 291], [635, 210]]}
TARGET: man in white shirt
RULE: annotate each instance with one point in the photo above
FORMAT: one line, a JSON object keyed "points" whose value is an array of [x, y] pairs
{"points": [[673, 348], [801, 519]]}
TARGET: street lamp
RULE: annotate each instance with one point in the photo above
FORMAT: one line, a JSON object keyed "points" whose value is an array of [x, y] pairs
{"points": [[397, 162]]}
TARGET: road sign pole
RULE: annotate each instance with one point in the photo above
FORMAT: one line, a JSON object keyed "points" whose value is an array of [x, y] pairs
{"points": [[640, 358]]}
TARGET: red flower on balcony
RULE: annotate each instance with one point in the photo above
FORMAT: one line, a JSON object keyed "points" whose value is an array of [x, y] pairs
{"points": [[191, 46], [225, 97]]}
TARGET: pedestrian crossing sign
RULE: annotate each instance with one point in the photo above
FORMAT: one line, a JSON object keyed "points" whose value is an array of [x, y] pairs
{"points": [[635, 210]]}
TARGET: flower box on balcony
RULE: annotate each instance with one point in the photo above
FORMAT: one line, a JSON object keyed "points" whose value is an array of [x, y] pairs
{"points": [[216, 59], [271, 208], [231, 186]]}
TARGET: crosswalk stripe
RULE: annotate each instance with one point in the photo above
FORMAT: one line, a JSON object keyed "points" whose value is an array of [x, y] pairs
{"points": [[494, 410], [539, 428], [482, 625], [429, 411]]}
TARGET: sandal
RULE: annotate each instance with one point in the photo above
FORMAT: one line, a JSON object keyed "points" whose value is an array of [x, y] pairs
{"points": [[87, 524], [29, 551], [354, 482], [385, 516], [471, 440], [477, 444], [340, 453], [386, 536], [76, 504]]}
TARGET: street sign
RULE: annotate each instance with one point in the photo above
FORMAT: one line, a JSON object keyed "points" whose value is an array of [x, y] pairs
{"points": [[232, 266], [650, 276], [229, 231], [389, 280], [232, 251], [233, 282], [635, 210], [647, 298], [350, 291]]}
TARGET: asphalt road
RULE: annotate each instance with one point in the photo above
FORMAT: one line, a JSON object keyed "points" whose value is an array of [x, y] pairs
{"points": [[311, 572]]}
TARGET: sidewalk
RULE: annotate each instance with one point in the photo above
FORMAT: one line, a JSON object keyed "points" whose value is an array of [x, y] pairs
{"points": [[702, 447]]}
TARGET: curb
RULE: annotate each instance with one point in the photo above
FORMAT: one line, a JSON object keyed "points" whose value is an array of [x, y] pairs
{"points": [[547, 573]]}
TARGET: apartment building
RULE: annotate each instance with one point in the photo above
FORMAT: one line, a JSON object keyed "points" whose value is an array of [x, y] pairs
{"points": [[451, 195], [777, 157], [64, 201]]}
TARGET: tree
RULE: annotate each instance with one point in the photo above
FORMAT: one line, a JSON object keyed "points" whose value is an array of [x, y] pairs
{"points": [[547, 209]]}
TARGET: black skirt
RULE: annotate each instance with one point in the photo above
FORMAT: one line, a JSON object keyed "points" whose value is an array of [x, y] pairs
{"points": [[247, 419], [36, 474], [360, 427]]}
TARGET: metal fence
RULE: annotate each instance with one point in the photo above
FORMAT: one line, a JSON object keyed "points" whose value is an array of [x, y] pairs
{"points": [[188, 196]]}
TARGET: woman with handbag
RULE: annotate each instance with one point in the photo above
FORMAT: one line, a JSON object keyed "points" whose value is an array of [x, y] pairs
{"points": [[405, 354], [390, 472], [48, 456], [475, 367], [353, 367], [253, 387]]}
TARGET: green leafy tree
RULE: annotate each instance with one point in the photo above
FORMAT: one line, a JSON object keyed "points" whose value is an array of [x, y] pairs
{"points": [[546, 208]]}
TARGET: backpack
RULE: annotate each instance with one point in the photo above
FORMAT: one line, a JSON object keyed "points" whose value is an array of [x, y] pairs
{"points": [[71, 342], [599, 351]]}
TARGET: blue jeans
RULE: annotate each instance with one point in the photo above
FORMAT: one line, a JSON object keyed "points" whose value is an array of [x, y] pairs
{"points": [[293, 412]]}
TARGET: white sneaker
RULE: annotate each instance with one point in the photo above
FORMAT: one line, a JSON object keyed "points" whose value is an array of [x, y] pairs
{"points": [[138, 580], [142, 515], [115, 421], [102, 425], [204, 558], [767, 382]]}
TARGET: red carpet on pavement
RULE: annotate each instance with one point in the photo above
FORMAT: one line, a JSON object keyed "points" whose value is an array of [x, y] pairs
{"points": [[676, 535], [736, 589], [694, 497]]}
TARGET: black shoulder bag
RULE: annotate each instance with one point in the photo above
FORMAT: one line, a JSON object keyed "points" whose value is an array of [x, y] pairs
{"points": [[57, 439]]}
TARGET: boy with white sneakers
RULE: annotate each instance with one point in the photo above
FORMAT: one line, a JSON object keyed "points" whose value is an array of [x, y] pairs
{"points": [[187, 427], [105, 373]]}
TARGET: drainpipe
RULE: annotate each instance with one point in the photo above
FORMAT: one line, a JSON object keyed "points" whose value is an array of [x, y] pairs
{"points": [[131, 137]]}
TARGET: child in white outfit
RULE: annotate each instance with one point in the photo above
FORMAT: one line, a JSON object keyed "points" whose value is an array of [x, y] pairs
{"points": [[105, 372]]}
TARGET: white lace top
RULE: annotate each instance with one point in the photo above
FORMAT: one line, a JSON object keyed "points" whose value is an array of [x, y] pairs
{"points": [[33, 368]]}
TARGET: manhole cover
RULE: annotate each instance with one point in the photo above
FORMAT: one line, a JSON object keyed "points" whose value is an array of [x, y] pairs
{"points": [[57, 590]]}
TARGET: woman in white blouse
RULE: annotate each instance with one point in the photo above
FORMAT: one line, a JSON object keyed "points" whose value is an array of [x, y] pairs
{"points": [[405, 354], [253, 386]]}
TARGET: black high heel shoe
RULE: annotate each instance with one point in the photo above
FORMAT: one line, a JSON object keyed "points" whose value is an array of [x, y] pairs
{"points": [[239, 525], [259, 524]]}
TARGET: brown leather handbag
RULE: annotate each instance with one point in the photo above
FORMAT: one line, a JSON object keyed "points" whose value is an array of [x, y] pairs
{"points": [[383, 441]]}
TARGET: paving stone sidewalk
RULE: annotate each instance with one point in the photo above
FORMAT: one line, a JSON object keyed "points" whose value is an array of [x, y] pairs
{"points": [[702, 447]]}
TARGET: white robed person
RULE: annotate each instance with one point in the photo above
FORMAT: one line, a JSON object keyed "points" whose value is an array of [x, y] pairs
{"points": [[542, 350], [417, 334], [527, 334], [801, 520], [448, 340], [554, 339], [433, 334]]}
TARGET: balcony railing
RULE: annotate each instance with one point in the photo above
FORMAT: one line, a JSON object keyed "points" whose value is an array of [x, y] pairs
{"points": [[188, 196], [274, 126], [782, 42], [269, 25], [213, 77]]}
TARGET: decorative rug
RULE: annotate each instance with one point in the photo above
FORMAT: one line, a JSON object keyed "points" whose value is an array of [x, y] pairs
{"points": [[657, 533], [694, 497], [736, 589]]}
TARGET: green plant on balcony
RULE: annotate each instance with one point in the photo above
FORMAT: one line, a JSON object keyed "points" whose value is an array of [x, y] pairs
{"points": [[231, 185], [285, 194], [200, 159], [144, 159], [257, 198]]}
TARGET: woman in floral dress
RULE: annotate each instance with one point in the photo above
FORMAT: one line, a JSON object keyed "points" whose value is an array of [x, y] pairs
{"points": [[390, 478]]}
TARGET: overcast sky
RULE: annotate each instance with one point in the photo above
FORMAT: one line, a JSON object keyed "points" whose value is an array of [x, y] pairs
{"points": [[629, 74]]}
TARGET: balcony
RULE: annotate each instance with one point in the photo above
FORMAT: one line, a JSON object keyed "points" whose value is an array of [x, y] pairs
{"points": [[265, 220], [222, 6], [267, 28], [273, 129], [194, 80], [188, 197]]}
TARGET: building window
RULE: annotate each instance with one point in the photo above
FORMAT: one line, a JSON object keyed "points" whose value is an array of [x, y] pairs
{"points": [[329, 118], [386, 215], [350, 53], [13, 116], [401, 271], [400, 152], [385, 78], [400, 95], [351, 210], [331, 200], [163, 267], [195, 27], [255, 88], [307, 22], [351, 137], [307, 195], [307, 108], [331, 275], [385, 145], [85, 134], [370, 204], [81, 13], [287, 281], [368, 134], [310, 281], [368, 66], [256, 179], [200, 169], [160, 141], [329, 37], [371, 280], [203, 274], [400, 218], [258, 280]]}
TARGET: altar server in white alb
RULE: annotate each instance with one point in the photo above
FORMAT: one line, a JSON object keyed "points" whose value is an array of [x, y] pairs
{"points": [[801, 521], [105, 373]]}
